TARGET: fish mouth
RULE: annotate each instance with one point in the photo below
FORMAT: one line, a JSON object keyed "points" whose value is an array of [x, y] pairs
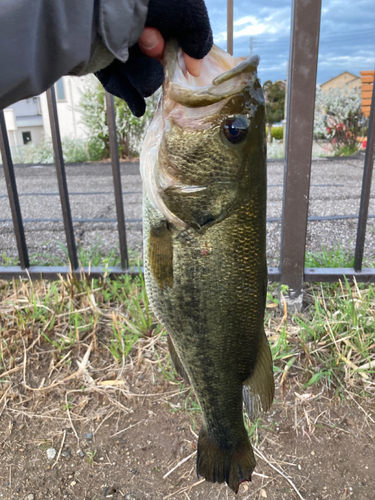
{"points": [[222, 76]]}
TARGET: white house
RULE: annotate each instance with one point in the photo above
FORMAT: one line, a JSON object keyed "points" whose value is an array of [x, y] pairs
{"points": [[28, 120], [24, 122]]}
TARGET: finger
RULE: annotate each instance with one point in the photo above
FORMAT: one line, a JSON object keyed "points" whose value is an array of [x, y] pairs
{"points": [[151, 43], [193, 65]]}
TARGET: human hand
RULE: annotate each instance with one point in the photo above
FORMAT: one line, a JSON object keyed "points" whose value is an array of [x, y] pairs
{"points": [[142, 74], [151, 43]]}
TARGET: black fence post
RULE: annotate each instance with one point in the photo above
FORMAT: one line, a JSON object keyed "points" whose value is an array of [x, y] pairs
{"points": [[303, 61], [366, 187], [61, 178], [113, 146], [13, 194]]}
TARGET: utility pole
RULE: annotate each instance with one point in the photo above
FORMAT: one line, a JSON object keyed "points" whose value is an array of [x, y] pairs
{"points": [[251, 45], [230, 26]]}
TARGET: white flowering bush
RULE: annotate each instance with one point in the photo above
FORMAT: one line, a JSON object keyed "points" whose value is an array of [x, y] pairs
{"points": [[130, 130], [74, 150], [338, 117]]}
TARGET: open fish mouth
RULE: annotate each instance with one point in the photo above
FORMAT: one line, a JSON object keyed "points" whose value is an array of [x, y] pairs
{"points": [[222, 76], [192, 103]]}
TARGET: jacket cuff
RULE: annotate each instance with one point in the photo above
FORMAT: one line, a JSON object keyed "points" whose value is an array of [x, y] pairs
{"points": [[121, 23]]}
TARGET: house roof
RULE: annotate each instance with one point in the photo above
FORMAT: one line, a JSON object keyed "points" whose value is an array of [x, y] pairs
{"points": [[343, 73]]}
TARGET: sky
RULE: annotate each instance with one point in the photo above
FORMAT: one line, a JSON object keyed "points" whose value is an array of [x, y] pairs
{"points": [[347, 34]]}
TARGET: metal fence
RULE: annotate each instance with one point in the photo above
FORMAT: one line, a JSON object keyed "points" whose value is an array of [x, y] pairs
{"points": [[304, 45]]}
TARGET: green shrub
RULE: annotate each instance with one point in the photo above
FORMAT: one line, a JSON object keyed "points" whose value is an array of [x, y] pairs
{"points": [[277, 133], [74, 150], [130, 129], [96, 150]]}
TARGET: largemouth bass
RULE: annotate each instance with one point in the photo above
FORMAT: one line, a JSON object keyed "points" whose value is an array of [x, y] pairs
{"points": [[203, 166]]}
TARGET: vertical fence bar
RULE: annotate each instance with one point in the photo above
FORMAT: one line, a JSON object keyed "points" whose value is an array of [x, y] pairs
{"points": [[303, 59], [111, 119], [61, 178], [230, 26], [10, 180], [366, 187]]}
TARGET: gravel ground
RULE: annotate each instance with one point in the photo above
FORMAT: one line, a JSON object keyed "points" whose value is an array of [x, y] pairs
{"points": [[335, 190]]}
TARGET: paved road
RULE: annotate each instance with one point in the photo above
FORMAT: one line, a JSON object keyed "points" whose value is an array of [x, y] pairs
{"points": [[335, 190]]}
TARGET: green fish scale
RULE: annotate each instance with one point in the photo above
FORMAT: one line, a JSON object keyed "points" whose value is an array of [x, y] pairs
{"points": [[187, 149], [214, 309], [207, 283]]}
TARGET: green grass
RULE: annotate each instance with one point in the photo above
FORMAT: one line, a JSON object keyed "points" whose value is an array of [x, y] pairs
{"points": [[340, 334], [333, 257], [94, 256], [332, 343], [347, 150]]}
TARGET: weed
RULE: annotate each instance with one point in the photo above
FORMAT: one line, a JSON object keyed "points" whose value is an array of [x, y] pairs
{"points": [[252, 429], [334, 257], [91, 455], [93, 256], [347, 149], [339, 335], [45, 445], [190, 403]]}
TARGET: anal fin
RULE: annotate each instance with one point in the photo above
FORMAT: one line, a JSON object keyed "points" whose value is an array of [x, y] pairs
{"points": [[179, 367], [259, 388]]}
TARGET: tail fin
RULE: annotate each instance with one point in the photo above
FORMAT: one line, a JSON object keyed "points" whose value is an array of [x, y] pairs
{"points": [[217, 465]]}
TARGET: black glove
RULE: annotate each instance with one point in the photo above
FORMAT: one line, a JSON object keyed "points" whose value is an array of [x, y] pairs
{"points": [[185, 20], [141, 76]]}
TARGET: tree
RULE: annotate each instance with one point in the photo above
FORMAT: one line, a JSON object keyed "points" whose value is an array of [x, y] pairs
{"points": [[275, 103], [130, 130], [338, 117]]}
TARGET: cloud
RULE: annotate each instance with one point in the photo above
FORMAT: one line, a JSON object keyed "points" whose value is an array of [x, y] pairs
{"points": [[245, 20], [347, 34], [251, 31]]}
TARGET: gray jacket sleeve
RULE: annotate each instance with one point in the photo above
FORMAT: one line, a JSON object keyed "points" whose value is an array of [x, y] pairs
{"points": [[42, 40]]}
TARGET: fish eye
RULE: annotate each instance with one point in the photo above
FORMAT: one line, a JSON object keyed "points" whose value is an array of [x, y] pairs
{"points": [[235, 129]]}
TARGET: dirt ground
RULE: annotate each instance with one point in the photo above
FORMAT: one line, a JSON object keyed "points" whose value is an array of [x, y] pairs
{"points": [[130, 433]]}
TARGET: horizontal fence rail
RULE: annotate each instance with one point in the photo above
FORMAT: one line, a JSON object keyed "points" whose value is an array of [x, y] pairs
{"points": [[304, 46], [311, 218]]}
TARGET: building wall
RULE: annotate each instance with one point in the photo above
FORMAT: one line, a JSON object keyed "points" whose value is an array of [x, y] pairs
{"points": [[10, 123], [37, 134], [67, 108], [27, 107], [367, 89], [32, 114], [24, 116], [340, 81]]}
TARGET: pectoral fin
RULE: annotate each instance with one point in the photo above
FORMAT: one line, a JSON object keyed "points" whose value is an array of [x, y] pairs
{"points": [[179, 367], [259, 388], [160, 255]]}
